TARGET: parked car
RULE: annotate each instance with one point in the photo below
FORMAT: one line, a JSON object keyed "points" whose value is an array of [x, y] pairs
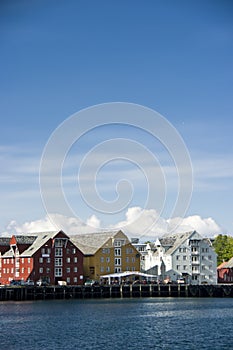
{"points": [[15, 283], [40, 283], [181, 281], [29, 283], [91, 283]]}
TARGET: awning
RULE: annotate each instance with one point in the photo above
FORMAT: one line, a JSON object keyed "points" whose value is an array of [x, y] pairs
{"points": [[128, 273]]}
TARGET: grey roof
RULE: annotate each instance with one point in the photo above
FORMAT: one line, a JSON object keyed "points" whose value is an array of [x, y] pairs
{"points": [[8, 254], [175, 241], [25, 239], [36, 240], [40, 239], [89, 243], [229, 264], [5, 241]]}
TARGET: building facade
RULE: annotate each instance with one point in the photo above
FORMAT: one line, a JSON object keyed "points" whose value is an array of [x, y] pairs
{"points": [[107, 253], [186, 255], [49, 256], [225, 272]]}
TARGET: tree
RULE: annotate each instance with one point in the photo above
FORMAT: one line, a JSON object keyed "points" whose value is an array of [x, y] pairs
{"points": [[223, 246]]}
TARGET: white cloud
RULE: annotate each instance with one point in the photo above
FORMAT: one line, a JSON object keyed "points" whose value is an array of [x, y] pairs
{"points": [[205, 226], [136, 220]]}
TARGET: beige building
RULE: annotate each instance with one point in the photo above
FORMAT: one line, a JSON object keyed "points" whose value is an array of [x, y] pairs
{"points": [[106, 253]]}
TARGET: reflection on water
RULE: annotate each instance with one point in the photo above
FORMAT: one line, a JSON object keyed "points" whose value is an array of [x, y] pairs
{"points": [[170, 323]]}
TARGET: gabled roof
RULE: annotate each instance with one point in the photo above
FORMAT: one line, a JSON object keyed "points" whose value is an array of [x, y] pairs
{"points": [[89, 243], [25, 239], [176, 240], [4, 241], [222, 265], [40, 239], [228, 264]]}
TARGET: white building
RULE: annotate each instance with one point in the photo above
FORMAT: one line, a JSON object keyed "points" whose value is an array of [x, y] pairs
{"points": [[186, 255]]}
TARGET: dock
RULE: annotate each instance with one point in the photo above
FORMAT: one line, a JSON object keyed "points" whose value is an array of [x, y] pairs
{"points": [[23, 293]]}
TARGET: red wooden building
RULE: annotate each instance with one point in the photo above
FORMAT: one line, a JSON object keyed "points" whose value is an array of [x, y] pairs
{"points": [[225, 272], [46, 256]]}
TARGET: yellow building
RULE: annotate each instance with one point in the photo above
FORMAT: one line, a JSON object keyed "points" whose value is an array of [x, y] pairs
{"points": [[106, 252]]}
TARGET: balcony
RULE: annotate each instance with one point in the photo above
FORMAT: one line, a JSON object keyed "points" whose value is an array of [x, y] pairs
{"points": [[197, 262]]}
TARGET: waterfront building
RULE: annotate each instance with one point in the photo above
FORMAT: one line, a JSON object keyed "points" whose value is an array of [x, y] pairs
{"points": [[225, 272], [106, 253], [186, 255], [48, 256]]}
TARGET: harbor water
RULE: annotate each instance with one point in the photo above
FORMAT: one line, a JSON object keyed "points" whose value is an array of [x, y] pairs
{"points": [[140, 323]]}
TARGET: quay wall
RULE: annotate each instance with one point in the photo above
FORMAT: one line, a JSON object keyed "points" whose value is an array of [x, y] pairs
{"points": [[19, 293]]}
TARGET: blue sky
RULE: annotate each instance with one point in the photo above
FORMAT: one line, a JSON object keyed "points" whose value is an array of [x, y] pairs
{"points": [[58, 57]]}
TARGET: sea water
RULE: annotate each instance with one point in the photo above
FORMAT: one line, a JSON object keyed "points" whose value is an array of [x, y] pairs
{"points": [[146, 323]]}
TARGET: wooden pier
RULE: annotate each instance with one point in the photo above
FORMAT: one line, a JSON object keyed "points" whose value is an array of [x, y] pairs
{"points": [[19, 293]]}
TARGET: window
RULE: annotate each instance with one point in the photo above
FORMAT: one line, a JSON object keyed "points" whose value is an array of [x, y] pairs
{"points": [[41, 270], [74, 250], [117, 261], [68, 260], [129, 250], [68, 280], [22, 269], [107, 269], [68, 251], [75, 259], [41, 260], [48, 250], [133, 260], [127, 259], [59, 243], [75, 269], [177, 257], [22, 260], [58, 272], [185, 257], [101, 269], [58, 252], [43, 251], [106, 250], [29, 260], [58, 261], [48, 260], [108, 260], [29, 270], [47, 270], [75, 280], [102, 259], [177, 267], [185, 267], [133, 268], [117, 243], [117, 269], [68, 269], [117, 251]]}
